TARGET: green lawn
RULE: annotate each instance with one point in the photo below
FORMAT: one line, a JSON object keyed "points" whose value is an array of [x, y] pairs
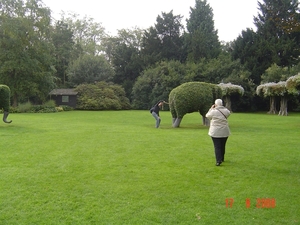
{"points": [[114, 167]]}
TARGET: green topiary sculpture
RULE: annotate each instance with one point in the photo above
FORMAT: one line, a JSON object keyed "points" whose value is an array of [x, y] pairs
{"points": [[4, 101], [192, 97]]}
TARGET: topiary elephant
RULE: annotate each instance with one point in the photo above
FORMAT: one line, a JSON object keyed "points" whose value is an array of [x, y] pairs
{"points": [[192, 97], [4, 101]]}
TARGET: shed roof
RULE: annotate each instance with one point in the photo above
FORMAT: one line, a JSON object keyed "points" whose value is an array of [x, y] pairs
{"points": [[63, 92]]}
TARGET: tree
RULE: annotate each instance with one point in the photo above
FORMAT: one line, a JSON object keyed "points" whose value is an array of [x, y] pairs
{"points": [[62, 38], [163, 41], [293, 84], [276, 40], [169, 29], [229, 90], [245, 48], [90, 69], [88, 34], [275, 73], [264, 90], [26, 50], [274, 90], [202, 38], [275, 24], [126, 58]]}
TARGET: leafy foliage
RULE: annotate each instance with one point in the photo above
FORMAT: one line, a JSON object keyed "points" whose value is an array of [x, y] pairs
{"points": [[101, 96], [275, 73], [192, 97], [62, 37], [156, 82], [231, 89], [293, 84], [26, 59], [164, 40], [4, 97], [126, 58], [266, 90], [90, 69], [202, 38]]}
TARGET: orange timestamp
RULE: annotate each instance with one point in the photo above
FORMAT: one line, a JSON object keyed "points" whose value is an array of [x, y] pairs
{"points": [[260, 203]]}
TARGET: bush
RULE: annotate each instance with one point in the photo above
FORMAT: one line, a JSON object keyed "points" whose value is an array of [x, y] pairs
{"points": [[50, 103], [101, 96], [24, 107], [42, 109], [27, 107], [65, 108]]}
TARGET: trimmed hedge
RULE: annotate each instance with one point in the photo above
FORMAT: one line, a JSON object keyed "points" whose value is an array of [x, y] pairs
{"points": [[4, 97], [192, 97]]}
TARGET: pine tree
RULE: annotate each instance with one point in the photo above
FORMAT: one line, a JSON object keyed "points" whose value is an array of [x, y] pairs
{"points": [[202, 38]]}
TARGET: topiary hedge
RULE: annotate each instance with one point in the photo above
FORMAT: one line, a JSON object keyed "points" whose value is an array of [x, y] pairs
{"points": [[4, 97], [192, 97]]}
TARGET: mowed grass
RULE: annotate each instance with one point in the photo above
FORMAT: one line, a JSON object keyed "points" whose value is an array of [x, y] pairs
{"points": [[114, 167]]}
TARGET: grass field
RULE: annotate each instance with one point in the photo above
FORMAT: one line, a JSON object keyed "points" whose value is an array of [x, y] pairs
{"points": [[114, 167]]}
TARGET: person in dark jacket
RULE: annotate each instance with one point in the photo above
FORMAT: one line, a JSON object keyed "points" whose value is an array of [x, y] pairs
{"points": [[155, 112]]}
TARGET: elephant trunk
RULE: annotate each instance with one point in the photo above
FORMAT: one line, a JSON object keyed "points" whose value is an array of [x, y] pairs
{"points": [[5, 115]]}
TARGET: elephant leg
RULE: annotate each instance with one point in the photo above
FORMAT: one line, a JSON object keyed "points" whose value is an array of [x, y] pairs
{"points": [[205, 121], [177, 122], [5, 115], [173, 121]]}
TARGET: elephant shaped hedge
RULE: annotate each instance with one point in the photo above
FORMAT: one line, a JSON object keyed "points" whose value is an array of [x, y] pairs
{"points": [[192, 97], [5, 101]]}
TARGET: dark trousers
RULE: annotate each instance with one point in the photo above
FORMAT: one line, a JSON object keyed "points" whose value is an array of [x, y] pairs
{"points": [[219, 144]]}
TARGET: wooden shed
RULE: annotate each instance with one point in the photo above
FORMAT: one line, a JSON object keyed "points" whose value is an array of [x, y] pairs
{"points": [[64, 97]]}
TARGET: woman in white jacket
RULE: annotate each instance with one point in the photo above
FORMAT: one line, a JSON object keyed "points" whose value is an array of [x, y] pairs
{"points": [[219, 129]]}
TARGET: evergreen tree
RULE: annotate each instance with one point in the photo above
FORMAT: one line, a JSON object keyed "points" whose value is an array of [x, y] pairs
{"points": [[164, 40], [276, 29], [202, 39], [62, 38]]}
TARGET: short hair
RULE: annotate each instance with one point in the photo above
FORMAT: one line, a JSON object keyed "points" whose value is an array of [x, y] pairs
{"points": [[219, 102]]}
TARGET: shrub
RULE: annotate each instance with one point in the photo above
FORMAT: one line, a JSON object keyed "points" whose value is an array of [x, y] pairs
{"points": [[24, 107], [65, 108], [101, 96], [4, 97], [50, 103], [27, 107]]}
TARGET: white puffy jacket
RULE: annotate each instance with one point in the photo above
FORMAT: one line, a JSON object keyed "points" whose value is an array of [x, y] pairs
{"points": [[218, 123]]}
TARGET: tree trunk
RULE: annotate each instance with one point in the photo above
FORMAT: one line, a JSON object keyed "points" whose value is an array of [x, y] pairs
{"points": [[228, 103], [272, 105], [283, 106], [15, 100]]}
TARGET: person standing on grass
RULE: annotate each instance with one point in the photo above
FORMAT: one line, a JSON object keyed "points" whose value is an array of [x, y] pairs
{"points": [[155, 112], [219, 129]]}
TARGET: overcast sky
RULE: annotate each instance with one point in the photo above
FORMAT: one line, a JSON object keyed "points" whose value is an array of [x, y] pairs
{"points": [[230, 16]]}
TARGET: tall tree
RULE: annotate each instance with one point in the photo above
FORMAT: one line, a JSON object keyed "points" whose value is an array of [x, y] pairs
{"points": [[202, 38], [88, 34], [276, 40], [90, 69], [62, 38], [26, 49], [164, 41], [277, 26], [126, 58], [246, 48]]}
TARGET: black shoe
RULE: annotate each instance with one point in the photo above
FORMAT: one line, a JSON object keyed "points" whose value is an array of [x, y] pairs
{"points": [[218, 163]]}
